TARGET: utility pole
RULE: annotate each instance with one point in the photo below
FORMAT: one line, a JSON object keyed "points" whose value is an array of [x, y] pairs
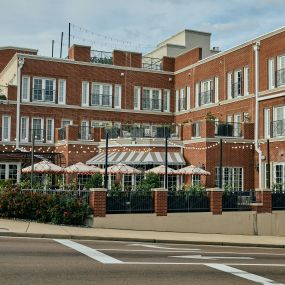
{"points": [[61, 40], [52, 47], [68, 35]]}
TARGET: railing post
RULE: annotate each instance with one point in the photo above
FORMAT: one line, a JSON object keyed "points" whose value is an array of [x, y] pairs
{"points": [[160, 201], [216, 200], [98, 201]]}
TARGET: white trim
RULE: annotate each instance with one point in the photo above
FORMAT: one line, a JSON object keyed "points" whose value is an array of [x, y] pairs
{"points": [[188, 98], [197, 89], [65, 119], [118, 96], [266, 126], [216, 89], [24, 77], [52, 130], [42, 128], [166, 97], [229, 85], [44, 80], [177, 100], [85, 93], [9, 128], [7, 169], [26, 139], [245, 80], [137, 93], [63, 82], [271, 73]]}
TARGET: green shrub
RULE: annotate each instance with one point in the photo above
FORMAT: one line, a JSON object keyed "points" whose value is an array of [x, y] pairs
{"points": [[54, 208], [151, 181], [95, 181]]}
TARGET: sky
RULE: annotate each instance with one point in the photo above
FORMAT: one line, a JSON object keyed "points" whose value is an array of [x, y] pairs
{"points": [[137, 25]]}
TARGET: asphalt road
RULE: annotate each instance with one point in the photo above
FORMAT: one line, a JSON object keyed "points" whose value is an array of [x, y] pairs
{"points": [[46, 261]]}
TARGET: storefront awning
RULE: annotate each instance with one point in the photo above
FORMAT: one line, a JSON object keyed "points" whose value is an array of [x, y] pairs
{"points": [[139, 158]]}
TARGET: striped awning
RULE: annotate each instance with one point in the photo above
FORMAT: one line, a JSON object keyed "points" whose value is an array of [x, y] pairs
{"points": [[138, 157]]}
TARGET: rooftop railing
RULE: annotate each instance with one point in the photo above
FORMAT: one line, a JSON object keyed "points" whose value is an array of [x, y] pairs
{"points": [[104, 57], [151, 63]]}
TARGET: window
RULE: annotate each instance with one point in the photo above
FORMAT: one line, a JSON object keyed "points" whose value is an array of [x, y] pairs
{"points": [[271, 73], [196, 179], [44, 90], [50, 130], [85, 93], [137, 98], [246, 80], [6, 128], [281, 70], [206, 93], [196, 130], [188, 98], [10, 171], [232, 178], [128, 182], [216, 89], [62, 91], [278, 126], [177, 100], [246, 117], [229, 85], [267, 123], [237, 125], [237, 83], [166, 100], [279, 176], [101, 95], [24, 132], [197, 90], [84, 132], [25, 89], [82, 179], [66, 122], [151, 99], [117, 96], [38, 129], [182, 105]]}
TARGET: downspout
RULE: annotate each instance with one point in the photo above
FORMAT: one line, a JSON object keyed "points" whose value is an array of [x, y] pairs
{"points": [[256, 49], [19, 67]]}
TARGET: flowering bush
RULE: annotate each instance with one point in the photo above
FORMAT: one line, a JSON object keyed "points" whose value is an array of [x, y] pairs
{"points": [[57, 209]]}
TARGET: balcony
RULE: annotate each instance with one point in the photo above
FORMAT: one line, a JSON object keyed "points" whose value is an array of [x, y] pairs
{"points": [[151, 104], [206, 97], [101, 100], [228, 129], [237, 89], [151, 63], [280, 77], [103, 57], [132, 131], [278, 128], [86, 133], [43, 95]]}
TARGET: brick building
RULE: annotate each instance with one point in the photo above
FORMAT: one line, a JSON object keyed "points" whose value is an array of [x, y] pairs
{"points": [[197, 96]]}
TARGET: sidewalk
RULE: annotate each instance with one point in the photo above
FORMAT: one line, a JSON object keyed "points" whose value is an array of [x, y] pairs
{"points": [[32, 229]]}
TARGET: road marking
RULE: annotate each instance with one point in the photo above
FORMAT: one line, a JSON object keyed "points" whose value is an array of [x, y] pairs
{"points": [[211, 257], [90, 252], [241, 273], [162, 247]]}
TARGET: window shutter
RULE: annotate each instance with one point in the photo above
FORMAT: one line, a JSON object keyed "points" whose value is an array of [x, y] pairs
{"points": [[229, 85], [85, 93], [245, 80], [118, 95], [25, 89], [197, 94], [188, 97], [137, 98], [177, 101], [62, 91], [271, 74], [216, 89]]}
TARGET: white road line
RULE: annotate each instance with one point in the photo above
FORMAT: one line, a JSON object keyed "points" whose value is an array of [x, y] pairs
{"points": [[199, 256], [90, 252], [241, 273], [162, 247]]}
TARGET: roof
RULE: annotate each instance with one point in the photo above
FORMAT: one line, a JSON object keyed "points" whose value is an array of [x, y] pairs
{"points": [[18, 48]]}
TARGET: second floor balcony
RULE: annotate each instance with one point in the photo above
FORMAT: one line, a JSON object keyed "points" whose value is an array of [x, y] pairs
{"points": [[278, 128], [228, 129]]}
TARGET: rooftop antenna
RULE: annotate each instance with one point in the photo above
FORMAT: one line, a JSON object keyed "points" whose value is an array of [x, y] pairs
{"points": [[61, 44], [52, 48], [69, 35]]}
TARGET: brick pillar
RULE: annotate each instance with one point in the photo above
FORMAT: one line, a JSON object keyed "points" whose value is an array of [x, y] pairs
{"points": [[216, 199], [160, 201], [98, 201], [263, 201]]}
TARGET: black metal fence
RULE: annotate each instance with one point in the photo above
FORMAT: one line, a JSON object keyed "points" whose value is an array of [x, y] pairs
{"points": [[278, 200], [186, 201], [72, 194], [237, 200], [129, 202]]}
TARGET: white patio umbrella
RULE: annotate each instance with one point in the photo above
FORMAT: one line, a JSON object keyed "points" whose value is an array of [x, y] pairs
{"points": [[160, 170], [193, 170], [43, 167], [81, 168], [121, 168]]}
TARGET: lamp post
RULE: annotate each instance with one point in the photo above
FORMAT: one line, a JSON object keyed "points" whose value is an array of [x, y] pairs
{"points": [[32, 157], [221, 165], [106, 161], [166, 162]]}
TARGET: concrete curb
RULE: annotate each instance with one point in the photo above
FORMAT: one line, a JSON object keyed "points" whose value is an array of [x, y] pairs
{"points": [[81, 237]]}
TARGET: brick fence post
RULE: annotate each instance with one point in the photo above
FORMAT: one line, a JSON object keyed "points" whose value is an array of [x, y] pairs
{"points": [[216, 200], [98, 201], [263, 201], [160, 201]]}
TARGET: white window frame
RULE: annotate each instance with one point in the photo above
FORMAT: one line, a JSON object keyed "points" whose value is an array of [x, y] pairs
{"points": [[26, 89], [237, 124], [166, 100], [182, 105], [61, 96], [206, 86], [8, 127], [7, 164], [245, 80], [229, 85], [85, 93], [101, 87], [118, 97], [197, 129], [151, 98], [216, 89], [52, 130], [65, 120], [231, 170], [42, 128], [177, 100], [266, 117], [188, 98], [197, 90], [281, 66], [238, 80], [282, 164], [275, 119], [26, 139], [44, 80], [137, 98], [271, 73]]}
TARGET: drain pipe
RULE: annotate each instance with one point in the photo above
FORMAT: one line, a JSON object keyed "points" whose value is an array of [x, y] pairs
{"points": [[21, 61], [256, 49]]}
